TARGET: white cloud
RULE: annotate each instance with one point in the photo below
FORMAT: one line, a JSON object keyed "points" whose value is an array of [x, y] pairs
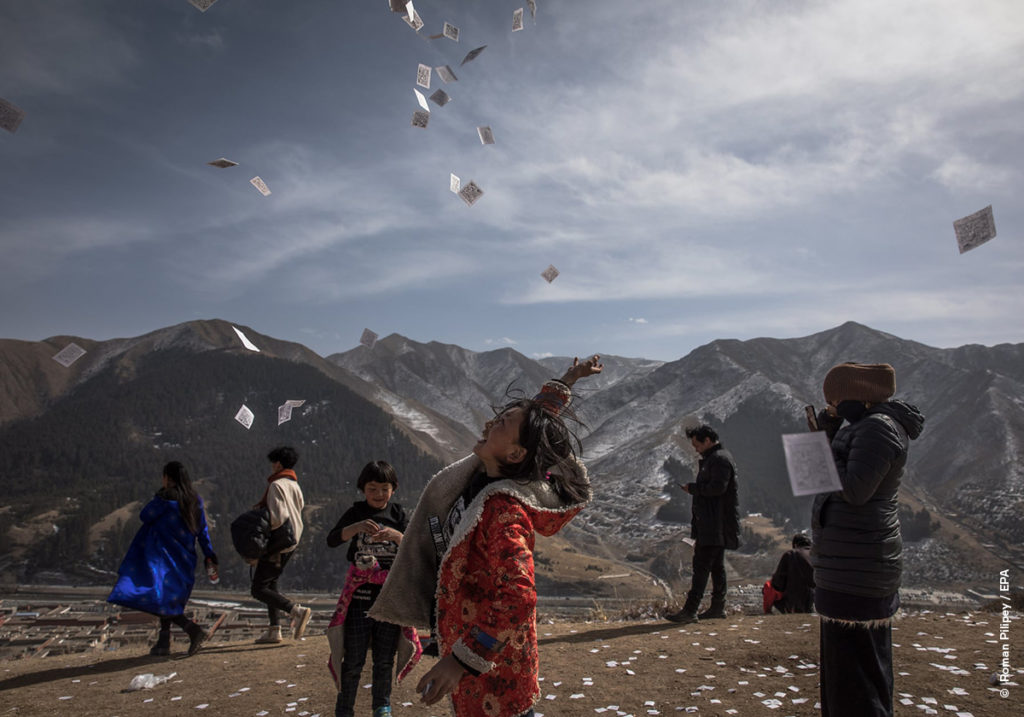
{"points": [[544, 355], [503, 341], [637, 320]]}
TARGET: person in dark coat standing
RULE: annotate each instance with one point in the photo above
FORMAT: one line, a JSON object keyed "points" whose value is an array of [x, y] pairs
{"points": [[857, 550], [794, 578], [715, 526]]}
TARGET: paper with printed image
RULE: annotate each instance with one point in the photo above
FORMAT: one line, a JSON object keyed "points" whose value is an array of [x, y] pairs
{"points": [[69, 354], [472, 55], [245, 416], [454, 183], [423, 76], [446, 74], [201, 5], [260, 185], [284, 411], [222, 163], [451, 32], [810, 464], [550, 273], [10, 116], [517, 20], [485, 134], [532, 4], [974, 230], [368, 339], [440, 97], [471, 193], [420, 119]]}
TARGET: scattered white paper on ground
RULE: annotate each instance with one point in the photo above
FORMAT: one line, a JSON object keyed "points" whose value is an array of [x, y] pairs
{"points": [[974, 230], [260, 185], [812, 469], [69, 354], [245, 416], [245, 340]]}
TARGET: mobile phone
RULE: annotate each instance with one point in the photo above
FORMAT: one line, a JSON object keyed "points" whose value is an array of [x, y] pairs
{"points": [[812, 417]]}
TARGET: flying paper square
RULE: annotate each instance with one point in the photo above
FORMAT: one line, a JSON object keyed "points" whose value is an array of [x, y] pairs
{"points": [[245, 340], [284, 411], [69, 354], [454, 183], [222, 163], [245, 416], [201, 5], [422, 100], [368, 339], [517, 20], [532, 4], [397, 5], [470, 193], [486, 135], [974, 230], [260, 185], [420, 119], [423, 76], [812, 469], [440, 97], [550, 273], [446, 74], [415, 23], [451, 32], [472, 55], [10, 116]]}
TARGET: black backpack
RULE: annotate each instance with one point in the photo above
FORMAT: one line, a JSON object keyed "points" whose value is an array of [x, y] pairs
{"points": [[253, 538]]}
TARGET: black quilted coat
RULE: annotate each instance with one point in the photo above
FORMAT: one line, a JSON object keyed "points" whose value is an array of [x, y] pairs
{"points": [[716, 518], [857, 545]]}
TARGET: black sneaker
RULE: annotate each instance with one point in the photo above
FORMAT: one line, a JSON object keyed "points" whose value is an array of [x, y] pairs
{"points": [[683, 617], [711, 614]]}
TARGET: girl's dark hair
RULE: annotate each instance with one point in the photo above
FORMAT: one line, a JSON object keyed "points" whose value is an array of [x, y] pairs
{"points": [[377, 472], [551, 450], [181, 490], [285, 455]]}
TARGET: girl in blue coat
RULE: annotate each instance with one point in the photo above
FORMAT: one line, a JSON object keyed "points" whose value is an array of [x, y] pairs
{"points": [[158, 572]]}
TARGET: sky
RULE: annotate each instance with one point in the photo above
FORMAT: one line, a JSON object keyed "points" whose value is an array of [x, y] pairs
{"points": [[695, 170]]}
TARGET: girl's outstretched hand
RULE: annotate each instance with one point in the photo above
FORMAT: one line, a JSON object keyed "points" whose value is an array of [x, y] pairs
{"points": [[440, 680], [578, 370]]}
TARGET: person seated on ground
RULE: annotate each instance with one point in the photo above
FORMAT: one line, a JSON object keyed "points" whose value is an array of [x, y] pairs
{"points": [[792, 584]]}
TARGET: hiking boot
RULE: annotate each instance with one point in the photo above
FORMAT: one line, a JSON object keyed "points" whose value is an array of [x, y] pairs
{"points": [[196, 637], [712, 614], [271, 637], [300, 618], [683, 617], [384, 711]]}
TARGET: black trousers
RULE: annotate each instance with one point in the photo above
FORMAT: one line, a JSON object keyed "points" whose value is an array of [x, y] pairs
{"points": [[363, 633], [856, 670], [264, 586], [708, 560]]}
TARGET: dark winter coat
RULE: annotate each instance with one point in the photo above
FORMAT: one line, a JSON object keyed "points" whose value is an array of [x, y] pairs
{"points": [[856, 531], [716, 516], [794, 578]]}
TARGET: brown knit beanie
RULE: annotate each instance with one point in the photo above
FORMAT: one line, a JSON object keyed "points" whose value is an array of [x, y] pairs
{"points": [[868, 382]]}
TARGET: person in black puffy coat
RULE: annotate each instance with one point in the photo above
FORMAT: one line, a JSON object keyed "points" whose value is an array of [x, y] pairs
{"points": [[857, 549], [714, 527]]}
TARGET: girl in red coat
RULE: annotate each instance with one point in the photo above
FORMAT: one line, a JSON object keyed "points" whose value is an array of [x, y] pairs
{"points": [[465, 565]]}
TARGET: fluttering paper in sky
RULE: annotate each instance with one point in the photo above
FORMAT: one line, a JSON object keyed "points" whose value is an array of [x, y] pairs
{"points": [[532, 4], [222, 163], [284, 411], [446, 74], [451, 32], [245, 340], [486, 135], [421, 99], [810, 464], [550, 273], [454, 183], [440, 97], [260, 185], [517, 20], [470, 193], [201, 5], [10, 115], [368, 339], [423, 76], [69, 354], [420, 119], [472, 55], [974, 230], [245, 416]]}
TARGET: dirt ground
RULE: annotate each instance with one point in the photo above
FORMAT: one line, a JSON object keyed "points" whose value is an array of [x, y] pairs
{"points": [[743, 665]]}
